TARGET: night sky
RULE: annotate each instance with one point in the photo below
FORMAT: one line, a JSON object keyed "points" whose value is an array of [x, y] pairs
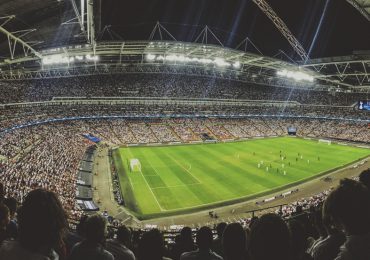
{"points": [[343, 29]]}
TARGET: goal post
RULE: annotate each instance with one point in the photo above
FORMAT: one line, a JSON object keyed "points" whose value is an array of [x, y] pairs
{"points": [[135, 165], [328, 142]]}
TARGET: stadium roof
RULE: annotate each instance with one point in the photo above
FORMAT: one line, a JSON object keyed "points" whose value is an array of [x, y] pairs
{"points": [[55, 23], [34, 26], [43, 17], [363, 6]]}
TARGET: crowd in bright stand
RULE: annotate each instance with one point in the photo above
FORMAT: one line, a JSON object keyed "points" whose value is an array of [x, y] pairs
{"points": [[38, 170], [163, 85], [336, 228], [47, 155]]}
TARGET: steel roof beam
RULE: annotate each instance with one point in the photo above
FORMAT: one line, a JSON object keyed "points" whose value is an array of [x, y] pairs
{"points": [[360, 8], [283, 28], [13, 40]]}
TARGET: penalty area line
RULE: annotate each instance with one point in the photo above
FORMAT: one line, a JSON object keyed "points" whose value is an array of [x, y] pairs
{"points": [[159, 205], [176, 186], [172, 158]]}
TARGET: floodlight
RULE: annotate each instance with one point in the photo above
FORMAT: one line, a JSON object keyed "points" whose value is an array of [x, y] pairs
{"points": [[296, 75], [150, 57], [236, 65], [221, 62]]}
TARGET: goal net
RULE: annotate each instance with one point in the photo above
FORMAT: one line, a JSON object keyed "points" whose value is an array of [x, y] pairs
{"points": [[328, 142], [135, 165]]}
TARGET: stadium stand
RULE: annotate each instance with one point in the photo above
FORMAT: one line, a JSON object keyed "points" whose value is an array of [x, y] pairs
{"points": [[289, 227], [51, 146], [163, 85]]}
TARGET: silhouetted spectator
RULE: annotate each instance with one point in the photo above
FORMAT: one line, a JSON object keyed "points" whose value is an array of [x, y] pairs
{"points": [[42, 223], [365, 178], [119, 247], [151, 246], [269, 238], [217, 242], [72, 238], [12, 228], [299, 241], [204, 242], [234, 242], [320, 229], [4, 221], [2, 193], [92, 246], [349, 208], [328, 248], [185, 243]]}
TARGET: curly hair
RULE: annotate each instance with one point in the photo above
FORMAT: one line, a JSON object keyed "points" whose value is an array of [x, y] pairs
{"points": [[42, 220]]}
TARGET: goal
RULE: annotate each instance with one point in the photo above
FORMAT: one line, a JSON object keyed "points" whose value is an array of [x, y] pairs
{"points": [[135, 165], [328, 142]]}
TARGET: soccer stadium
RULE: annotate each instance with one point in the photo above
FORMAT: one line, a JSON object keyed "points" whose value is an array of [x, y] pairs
{"points": [[236, 130]]}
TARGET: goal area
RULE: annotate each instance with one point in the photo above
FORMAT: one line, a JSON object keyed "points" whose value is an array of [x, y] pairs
{"points": [[135, 165], [328, 142]]}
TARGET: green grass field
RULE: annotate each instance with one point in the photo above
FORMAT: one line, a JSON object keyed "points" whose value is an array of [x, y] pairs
{"points": [[178, 179]]}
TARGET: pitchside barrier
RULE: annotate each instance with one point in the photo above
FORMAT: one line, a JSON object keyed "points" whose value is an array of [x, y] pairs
{"points": [[283, 195]]}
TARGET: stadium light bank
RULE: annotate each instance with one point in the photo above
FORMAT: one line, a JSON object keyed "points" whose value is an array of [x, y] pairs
{"points": [[220, 62], [62, 59], [296, 75]]}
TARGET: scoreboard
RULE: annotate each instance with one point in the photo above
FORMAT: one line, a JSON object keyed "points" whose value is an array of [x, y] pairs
{"points": [[292, 130], [364, 105]]}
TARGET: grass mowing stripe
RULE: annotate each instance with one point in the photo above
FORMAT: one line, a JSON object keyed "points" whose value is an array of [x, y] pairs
{"points": [[186, 170], [227, 171]]}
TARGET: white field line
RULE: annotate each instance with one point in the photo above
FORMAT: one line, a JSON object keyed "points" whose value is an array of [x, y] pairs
{"points": [[151, 165], [184, 168], [129, 179], [159, 205], [174, 186], [132, 185]]}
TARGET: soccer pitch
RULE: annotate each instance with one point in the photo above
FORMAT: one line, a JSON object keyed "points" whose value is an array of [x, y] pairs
{"points": [[184, 178]]}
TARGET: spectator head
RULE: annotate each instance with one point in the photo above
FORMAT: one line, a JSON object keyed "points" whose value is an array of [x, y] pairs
{"points": [[4, 216], [2, 192], [151, 246], [95, 229], [298, 209], [186, 235], [220, 229], [269, 238], [204, 238], [80, 228], [11, 203], [318, 222], [365, 178], [254, 219], [348, 206], [42, 221], [298, 238], [124, 235], [234, 242]]}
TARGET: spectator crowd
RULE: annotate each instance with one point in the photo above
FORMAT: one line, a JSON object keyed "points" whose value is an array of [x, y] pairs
{"points": [[335, 228], [164, 85], [38, 167]]}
